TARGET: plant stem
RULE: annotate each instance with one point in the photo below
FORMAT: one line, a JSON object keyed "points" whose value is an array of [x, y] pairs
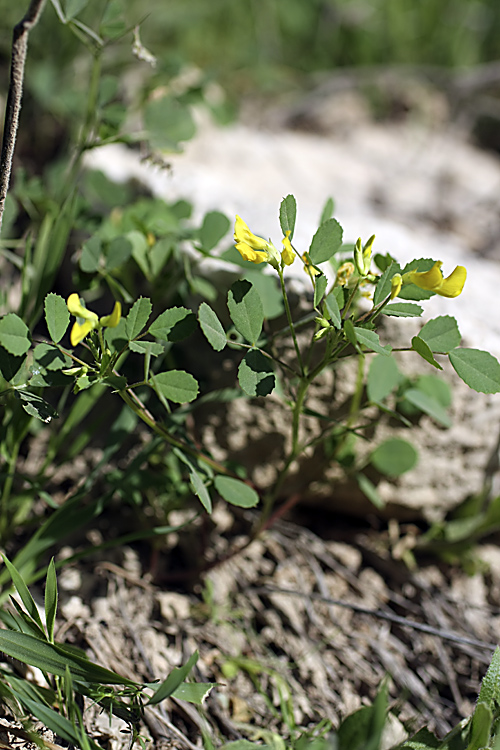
{"points": [[13, 107], [290, 321]]}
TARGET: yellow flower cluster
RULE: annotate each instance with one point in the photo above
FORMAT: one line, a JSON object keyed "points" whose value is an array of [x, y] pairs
{"points": [[90, 319], [257, 250]]}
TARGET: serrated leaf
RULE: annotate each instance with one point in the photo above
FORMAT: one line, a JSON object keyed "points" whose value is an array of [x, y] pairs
{"points": [[255, 374], [174, 324], [138, 316], [332, 305], [50, 358], [215, 226], [211, 327], [420, 346], [35, 406], [176, 385], [441, 334], [383, 288], [288, 215], [326, 242], [175, 678], [14, 335], [200, 489], [236, 492], [153, 348], [371, 340], [394, 457], [320, 284], [56, 316], [428, 405], [478, 369], [383, 378], [403, 310], [245, 308]]}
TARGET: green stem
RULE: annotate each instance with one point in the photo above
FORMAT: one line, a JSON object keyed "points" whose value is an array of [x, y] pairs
{"points": [[290, 321]]}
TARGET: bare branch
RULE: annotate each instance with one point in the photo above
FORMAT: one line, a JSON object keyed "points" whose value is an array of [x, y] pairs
{"points": [[13, 106]]}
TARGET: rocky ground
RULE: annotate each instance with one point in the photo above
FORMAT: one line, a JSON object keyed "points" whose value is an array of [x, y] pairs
{"points": [[306, 621]]}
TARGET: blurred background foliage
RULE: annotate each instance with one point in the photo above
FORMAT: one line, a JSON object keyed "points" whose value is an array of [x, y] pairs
{"points": [[265, 44]]}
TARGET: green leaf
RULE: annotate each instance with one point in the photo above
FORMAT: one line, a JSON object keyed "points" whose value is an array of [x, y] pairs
{"points": [[56, 316], [10, 365], [428, 405], [91, 255], [14, 335], [174, 324], [480, 731], [478, 369], [23, 591], [268, 290], [371, 340], [35, 406], [332, 305], [176, 385], [489, 692], [326, 242], [403, 310], [73, 7], [411, 291], [168, 122], [215, 226], [425, 352], [236, 492], [441, 334], [175, 678], [200, 490], [327, 211], [320, 284], [255, 374], [288, 215], [193, 692], [383, 378], [57, 723], [245, 308], [368, 488], [211, 327], [383, 288], [118, 252], [113, 22], [138, 316], [394, 457], [436, 387], [50, 599], [153, 348], [54, 659], [50, 358]]}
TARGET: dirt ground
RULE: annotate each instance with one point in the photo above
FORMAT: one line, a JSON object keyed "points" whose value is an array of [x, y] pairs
{"points": [[304, 624]]}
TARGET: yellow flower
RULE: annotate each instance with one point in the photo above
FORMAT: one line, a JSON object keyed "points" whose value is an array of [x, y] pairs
{"points": [[309, 268], [433, 280], [90, 319], [257, 250], [287, 255], [396, 284], [344, 273]]}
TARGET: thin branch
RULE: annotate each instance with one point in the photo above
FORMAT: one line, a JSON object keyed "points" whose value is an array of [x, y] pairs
{"points": [[446, 635], [14, 98]]}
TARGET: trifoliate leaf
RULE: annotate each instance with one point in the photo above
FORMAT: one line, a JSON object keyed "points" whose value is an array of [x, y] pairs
{"points": [[56, 316]]}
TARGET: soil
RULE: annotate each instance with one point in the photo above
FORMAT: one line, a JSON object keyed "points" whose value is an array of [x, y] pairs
{"points": [[304, 624]]}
